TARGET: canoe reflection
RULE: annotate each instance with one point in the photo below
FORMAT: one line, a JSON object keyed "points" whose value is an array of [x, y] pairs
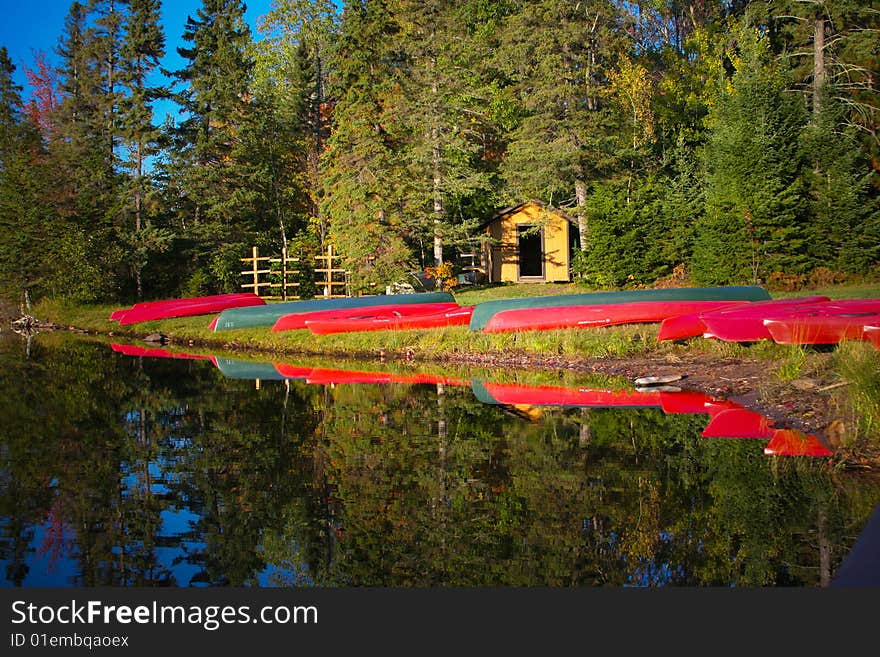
{"points": [[727, 418]]}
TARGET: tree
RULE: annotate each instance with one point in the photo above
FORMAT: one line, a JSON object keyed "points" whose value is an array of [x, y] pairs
{"points": [[141, 51], [294, 60], [363, 172], [23, 219], [558, 56], [216, 205], [87, 256], [440, 113], [844, 227], [755, 216]]}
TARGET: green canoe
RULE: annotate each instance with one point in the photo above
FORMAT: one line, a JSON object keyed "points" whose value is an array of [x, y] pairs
{"points": [[483, 312], [246, 369], [253, 316]]}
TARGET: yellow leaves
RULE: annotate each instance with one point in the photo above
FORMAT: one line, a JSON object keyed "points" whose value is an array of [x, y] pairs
{"points": [[633, 89], [443, 273]]}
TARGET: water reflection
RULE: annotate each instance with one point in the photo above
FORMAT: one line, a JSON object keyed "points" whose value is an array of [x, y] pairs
{"points": [[121, 468]]}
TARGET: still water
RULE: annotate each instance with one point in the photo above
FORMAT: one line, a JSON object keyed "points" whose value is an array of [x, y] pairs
{"points": [[119, 468]]}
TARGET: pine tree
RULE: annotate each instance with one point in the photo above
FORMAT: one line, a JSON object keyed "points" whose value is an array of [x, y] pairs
{"points": [[558, 55], [294, 60], [24, 213], [440, 114], [208, 176], [844, 228], [139, 56], [363, 172], [83, 163], [755, 221]]}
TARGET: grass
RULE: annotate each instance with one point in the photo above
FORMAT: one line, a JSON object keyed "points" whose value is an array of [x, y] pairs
{"points": [[858, 365]]}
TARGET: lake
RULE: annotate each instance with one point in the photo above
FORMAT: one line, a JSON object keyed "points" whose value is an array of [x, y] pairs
{"points": [[125, 467]]}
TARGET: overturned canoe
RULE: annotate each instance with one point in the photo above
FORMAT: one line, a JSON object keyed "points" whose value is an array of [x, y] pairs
{"points": [[237, 318], [367, 322], [486, 311], [298, 320], [188, 307], [141, 305], [826, 323], [589, 315], [746, 323]]}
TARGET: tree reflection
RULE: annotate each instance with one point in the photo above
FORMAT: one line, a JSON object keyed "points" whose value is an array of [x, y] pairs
{"points": [[129, 471]]}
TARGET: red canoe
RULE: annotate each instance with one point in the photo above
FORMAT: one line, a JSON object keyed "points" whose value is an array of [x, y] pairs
{"points": [[118, 314], [689, 325], [826, 323], [872, 335], [746, 323], [588, 315], [739, 423], [298, 320], [367, 322], [188, 307], [150, 352]]}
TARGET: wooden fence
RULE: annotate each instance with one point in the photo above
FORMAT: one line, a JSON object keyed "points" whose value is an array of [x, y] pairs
{"points": [[331, 282]]}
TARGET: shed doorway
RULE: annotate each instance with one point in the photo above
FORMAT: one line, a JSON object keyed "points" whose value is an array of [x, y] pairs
{"points": [[530, 251]]}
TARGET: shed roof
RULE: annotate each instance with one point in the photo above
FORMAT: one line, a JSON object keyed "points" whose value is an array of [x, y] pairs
{"points": [[513, 208]]}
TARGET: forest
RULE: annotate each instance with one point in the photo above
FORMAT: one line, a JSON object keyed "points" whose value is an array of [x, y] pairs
{"points": [[719, 142]]}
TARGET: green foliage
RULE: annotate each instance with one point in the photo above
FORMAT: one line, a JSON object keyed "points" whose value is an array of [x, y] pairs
{"points": [[755, 214], [720, 138], [630, 241]]}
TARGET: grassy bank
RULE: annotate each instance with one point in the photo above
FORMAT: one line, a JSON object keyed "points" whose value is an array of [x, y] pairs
{"points": [[618, 341]]}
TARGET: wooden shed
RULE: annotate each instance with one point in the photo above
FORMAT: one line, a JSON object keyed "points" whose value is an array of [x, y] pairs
{"points": [[528, 243]]}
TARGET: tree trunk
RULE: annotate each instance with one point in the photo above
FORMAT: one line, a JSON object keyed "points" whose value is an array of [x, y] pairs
{"points": [[818, 63], [439, 210], [580, 190]]}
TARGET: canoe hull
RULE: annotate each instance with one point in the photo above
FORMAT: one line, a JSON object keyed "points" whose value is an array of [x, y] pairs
{"points": [[459, 317], [484, 312], [238, 318], [298, 320], [586, 316], [827, 323], [746, 323], [189, 307]]}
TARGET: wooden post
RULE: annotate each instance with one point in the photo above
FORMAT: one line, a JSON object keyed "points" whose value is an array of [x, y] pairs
{"points": [[255, 254]]}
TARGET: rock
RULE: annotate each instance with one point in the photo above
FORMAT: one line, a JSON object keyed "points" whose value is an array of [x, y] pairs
{"points": [[804, 384], [161, 338], [658, 380], [661, 388]]}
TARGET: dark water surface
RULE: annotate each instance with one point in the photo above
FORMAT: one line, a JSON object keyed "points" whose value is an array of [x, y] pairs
{"points": [[121, 470]]}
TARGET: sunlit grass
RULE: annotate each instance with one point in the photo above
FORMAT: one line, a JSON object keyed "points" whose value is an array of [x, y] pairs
{"points": [[858, 364]]}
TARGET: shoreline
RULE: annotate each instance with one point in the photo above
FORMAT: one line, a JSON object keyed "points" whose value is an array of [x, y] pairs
{"points": [[812, 401]]}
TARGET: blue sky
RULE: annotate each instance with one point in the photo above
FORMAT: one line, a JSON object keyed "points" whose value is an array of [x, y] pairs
{"points": [[35, 25]]}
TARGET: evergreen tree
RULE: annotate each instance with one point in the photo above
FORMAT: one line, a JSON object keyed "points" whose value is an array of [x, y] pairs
{"points": [[24, 219], [83, 164], [363, 172], [440, 115], [755, 221], [844, 229], [295, 58], [216, 205], [558, 56], [141, 51]]}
